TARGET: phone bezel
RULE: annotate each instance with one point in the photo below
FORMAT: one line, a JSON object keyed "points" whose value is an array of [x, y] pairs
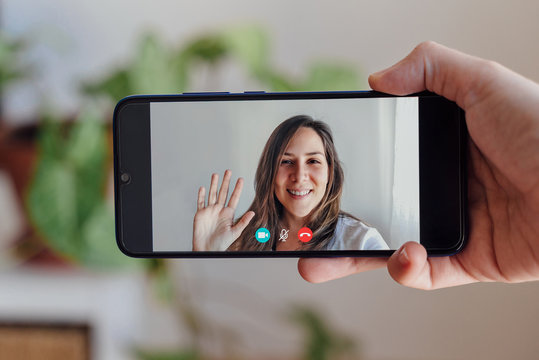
{"points": [[445, 167]]}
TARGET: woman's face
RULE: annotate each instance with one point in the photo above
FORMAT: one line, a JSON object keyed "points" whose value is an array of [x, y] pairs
{"points": [[302, 176]]}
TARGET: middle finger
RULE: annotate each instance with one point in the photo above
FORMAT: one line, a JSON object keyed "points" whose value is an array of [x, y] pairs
{"points": [[223, 192]]}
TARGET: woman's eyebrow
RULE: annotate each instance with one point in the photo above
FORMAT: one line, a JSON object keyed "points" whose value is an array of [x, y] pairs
{"points": [[308, 154]]}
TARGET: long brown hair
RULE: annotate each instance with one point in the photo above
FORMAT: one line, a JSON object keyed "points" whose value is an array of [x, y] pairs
{"points": [[267, 208]]}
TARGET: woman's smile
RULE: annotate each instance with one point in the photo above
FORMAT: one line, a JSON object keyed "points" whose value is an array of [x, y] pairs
{"points": [[298, 194]]}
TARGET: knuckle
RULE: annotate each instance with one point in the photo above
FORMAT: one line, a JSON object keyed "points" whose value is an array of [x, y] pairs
{"points": [[426, 47], [490, 66]]}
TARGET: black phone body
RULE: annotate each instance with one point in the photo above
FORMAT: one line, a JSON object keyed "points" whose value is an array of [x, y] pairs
{"points": [[403, 160]]}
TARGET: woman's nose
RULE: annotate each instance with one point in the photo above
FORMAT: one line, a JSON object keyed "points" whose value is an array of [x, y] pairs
{"points": [[300, 172]]}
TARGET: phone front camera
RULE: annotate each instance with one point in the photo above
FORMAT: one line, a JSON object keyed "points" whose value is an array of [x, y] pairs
{"points": [[125, 178]]}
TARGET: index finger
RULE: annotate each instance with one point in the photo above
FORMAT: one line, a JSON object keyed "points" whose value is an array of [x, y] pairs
{"points": [[434, 67], [317, 270]]}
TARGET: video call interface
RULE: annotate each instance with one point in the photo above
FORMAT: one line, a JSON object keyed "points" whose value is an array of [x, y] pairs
{"points": [[284, 175]]}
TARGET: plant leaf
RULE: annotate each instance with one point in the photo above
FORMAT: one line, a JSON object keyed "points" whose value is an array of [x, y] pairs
{"points": [[85, 153], [98, 234], [52, 206], [250, 45], [151, 71], [331, 77], [115, 86]]}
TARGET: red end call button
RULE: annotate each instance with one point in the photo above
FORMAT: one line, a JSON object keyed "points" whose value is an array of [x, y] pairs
{"points": [[305, 234]]}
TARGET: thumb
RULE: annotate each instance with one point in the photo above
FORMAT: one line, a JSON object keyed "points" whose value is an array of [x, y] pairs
{"points": [[242, 224], [409, 266], [431, 66]]}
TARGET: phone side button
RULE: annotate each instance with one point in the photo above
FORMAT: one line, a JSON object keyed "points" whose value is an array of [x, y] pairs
{"points": [[207, 93], [254, 92]]}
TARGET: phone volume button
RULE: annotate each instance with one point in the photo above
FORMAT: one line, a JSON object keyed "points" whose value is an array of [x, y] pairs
{"points": [[207, 93], [254, 92]]}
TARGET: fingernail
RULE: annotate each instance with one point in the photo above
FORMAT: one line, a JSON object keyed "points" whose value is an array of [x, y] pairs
{"points": [[403, 257]]}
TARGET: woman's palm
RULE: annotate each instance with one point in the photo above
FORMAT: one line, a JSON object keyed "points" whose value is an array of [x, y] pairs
{"points": [[213, 225]]}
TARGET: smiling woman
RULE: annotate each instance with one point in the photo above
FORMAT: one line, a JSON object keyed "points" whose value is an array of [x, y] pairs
{"points": [[298, 184]]}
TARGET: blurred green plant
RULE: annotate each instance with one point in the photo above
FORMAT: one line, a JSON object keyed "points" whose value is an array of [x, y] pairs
{"points": [[157, 68], [251, 46], [173, 355], [12, 67], [321, 342], [66, 200]]}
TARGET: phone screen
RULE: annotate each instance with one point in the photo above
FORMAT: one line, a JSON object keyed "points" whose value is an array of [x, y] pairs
{"points": [[318, 174]]}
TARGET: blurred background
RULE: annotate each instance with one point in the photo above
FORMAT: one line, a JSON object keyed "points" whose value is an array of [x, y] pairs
{"points": [[67, 292]]}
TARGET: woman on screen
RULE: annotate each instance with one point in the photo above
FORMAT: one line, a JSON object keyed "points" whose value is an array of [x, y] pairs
{"points": [[298, 185]]}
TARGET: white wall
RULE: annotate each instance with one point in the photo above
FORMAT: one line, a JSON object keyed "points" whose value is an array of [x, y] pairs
{"points": [[83, 39], [486, 321]]}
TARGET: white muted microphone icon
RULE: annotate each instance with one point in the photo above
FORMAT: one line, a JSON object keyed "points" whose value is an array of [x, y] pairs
{"points": [[284, 235]]}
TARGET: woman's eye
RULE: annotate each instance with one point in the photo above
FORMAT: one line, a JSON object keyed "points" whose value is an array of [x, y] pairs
{"points": [[286, 162], [314, 161]]}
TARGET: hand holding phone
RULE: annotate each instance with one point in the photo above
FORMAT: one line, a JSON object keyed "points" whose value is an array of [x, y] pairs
{"points": [[502, 116], [214, 228]]}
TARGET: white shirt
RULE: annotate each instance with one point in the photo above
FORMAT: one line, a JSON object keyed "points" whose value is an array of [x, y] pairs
{"points": [[352, 234]]}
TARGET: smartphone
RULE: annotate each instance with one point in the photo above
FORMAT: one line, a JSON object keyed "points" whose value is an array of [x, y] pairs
{"points": [[289, 174]]}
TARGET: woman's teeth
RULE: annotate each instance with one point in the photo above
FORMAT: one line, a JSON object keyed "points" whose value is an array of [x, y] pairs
{"points": [[299, 193]]}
